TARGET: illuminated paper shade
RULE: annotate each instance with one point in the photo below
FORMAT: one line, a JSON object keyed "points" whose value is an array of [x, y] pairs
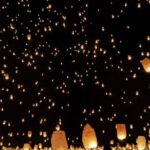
{"points": [[89, 138], [44, 134], [4, 148], [141, 142], [28, 37], [58, 140], [121, 131], [26, 146], [35, 147], [29, 134], [146, 64]]}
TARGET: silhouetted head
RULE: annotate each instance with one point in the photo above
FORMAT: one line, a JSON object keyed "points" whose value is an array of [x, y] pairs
{"points": [[107, 147]]}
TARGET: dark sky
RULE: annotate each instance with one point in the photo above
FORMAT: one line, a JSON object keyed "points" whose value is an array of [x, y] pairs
{"points": [[73, 62]]}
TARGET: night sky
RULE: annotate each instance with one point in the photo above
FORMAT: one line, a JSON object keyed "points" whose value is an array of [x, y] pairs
{"points": [[72, 62]]}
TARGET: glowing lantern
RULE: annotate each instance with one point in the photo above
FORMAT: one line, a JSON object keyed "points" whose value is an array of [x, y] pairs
{"points": [[4, 148], [44, 134], [58, 127], [111, 142], [26, 146], [6, 76], [59, 141], [17, 147], [28, 37], [121, 131], [148, 144], [35, 147], [89, 138], [72, 147], [29, 134], [141, 142], [41, 133], [1, 144], [146, 64], [40, 145]]}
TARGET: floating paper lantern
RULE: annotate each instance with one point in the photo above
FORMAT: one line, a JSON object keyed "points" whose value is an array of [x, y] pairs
{"points": [[59, 141], [44, 134], [121, 131], [35, 147], [28, 37], [89, 138], [57, 127], [72, 147], [29, 134], [4, 148], [148, 145], [40, 145], [111, 142], [141, 142], [41, 133], [17, 147], [26, 146], [1, 143], [146, 64]]}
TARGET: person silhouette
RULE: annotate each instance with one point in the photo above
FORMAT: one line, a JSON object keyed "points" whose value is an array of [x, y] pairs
{"points": [[107, 147]]}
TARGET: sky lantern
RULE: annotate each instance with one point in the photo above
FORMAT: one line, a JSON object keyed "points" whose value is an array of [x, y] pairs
{"points": [[121, 131], [111, 142], [57, 127], [59, 141], [141, 142], [146, 64], [35, 147], [44, 134], [148, 144], [29, 37], [4, 148], [40, 145], [26, 146], [72, 147], [29, 134], [89, 138]]}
